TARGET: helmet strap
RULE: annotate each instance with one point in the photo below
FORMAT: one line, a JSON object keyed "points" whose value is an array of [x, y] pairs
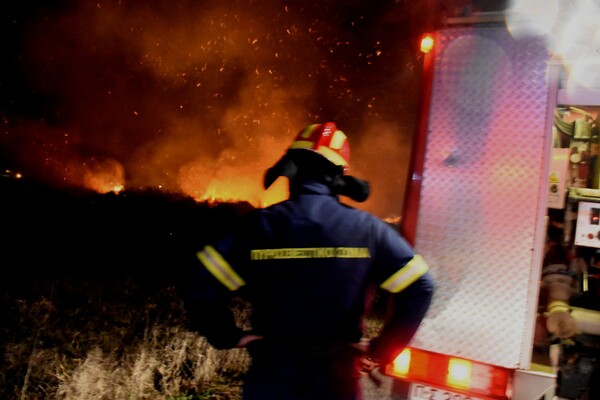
{"points": [[303, 163]]}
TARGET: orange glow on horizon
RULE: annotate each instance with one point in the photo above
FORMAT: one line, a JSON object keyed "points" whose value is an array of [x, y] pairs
{"points": [[243, 189], [207, 93]]}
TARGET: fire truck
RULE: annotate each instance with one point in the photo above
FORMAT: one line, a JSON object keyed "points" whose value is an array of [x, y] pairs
{"points": [[505, 163]]}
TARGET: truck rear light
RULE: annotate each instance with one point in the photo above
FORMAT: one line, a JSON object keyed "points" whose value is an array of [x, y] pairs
{"points": [[457, 374]]}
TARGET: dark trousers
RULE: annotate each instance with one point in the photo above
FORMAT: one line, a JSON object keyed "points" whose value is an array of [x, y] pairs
{"points": [[323, 373]]}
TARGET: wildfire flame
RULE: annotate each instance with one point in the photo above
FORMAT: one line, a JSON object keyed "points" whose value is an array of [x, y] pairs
{"points": [[108, 176], [202, 97]]}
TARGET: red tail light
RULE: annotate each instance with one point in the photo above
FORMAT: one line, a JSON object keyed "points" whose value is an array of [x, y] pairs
{"points": [[457, 374]]}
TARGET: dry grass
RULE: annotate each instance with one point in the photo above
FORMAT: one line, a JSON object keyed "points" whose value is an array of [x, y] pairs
{"points": [[50, 356], [171, 364], [92, 356]]}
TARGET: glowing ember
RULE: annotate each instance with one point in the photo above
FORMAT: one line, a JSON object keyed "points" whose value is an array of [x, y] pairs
{"points": [[11, 174]]}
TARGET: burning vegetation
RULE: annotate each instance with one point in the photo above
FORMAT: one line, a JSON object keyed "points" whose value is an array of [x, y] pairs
{"points": [[200, 98]]}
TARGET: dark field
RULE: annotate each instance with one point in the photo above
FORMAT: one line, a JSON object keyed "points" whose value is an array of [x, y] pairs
{"points": [[90, 306]]}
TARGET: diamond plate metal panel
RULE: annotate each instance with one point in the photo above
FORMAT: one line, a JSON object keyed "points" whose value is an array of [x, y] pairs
{"points": [[481, 192]]}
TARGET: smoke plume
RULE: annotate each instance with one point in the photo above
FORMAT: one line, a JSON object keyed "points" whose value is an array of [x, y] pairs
{"points": [[201, 97]]}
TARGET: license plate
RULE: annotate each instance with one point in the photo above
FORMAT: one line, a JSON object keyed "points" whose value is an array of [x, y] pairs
{"points": [[422, 392]]}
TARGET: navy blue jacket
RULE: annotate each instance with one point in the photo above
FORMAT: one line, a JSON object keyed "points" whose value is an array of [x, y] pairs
{"points": [[308, 266]]}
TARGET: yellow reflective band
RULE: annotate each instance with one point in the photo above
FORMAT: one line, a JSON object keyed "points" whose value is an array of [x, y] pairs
{"points": [[216, 265], [302, 144], [310, 252], [412, 271], [558, 305], [332, 155], [337, 140], [308, 131]]}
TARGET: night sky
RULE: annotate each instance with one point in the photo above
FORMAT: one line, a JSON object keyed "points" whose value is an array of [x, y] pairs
{"points": [[201, 97]]}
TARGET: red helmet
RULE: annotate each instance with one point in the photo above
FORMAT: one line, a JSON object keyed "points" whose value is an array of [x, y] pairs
{"points": [[326, 140]]}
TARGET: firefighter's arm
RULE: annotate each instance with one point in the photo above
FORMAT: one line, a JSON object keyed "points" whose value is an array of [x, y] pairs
{"points": [[207, 300], [406, 310], [559, 282]]}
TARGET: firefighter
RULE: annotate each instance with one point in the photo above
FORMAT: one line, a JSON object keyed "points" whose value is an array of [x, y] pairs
{"points": [[308, 267]]}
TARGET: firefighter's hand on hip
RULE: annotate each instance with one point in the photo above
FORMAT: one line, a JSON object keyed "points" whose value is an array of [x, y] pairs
{"points": [[366, 363]]}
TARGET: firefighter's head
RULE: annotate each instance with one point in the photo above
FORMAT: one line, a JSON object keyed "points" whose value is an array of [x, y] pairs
{"points": [[320, 152]]}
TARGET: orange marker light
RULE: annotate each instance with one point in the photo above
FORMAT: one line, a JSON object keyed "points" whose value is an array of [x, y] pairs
{"points": [[427, 43]]}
